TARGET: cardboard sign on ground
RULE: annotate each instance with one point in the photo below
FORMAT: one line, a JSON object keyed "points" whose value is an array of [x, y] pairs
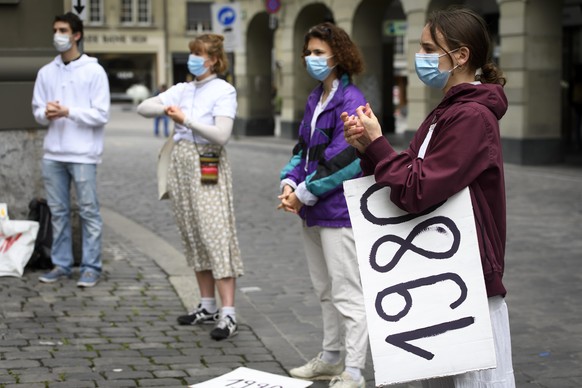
{"points": [[251, 378], [425, 297]]}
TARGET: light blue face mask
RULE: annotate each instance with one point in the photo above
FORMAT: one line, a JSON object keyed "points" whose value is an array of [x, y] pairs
{"points": [[427, 69], [317, 67], [196, 65]]}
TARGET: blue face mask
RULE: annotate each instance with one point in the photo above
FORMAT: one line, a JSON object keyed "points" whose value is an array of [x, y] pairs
{"points": [[317, 67], [196, 65], [427, 69]]}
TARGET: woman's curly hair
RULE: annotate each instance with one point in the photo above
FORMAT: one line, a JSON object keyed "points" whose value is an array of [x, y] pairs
{"points": [[346, 54]]}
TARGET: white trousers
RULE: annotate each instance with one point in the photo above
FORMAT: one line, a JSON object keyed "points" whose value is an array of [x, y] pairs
{"points": [[500, 377], [333, 267]]}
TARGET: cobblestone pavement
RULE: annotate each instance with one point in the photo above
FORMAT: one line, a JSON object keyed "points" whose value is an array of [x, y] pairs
{"points": [[122, 333]]}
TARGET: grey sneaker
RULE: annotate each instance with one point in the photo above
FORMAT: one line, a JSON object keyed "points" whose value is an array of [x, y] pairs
{"points": [[54, 275], [225, 328], [88, 279], [317, 369], [345, 380]]}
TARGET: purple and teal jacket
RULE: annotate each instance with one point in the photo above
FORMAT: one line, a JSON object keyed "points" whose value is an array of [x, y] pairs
{"points": [[330, 161]]}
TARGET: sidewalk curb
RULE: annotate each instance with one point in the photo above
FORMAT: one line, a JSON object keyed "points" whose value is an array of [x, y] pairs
{"points": [[172, 262], [182, 278]]}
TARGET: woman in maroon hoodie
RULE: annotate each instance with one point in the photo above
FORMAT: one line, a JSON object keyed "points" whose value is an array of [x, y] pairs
{"points": [[457, 145]]}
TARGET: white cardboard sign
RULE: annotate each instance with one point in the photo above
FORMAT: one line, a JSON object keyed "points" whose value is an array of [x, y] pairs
{"points": [[250, 378], [426, 304]]}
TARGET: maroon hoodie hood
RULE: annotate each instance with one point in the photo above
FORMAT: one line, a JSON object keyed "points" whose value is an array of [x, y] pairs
{"points": [[490, 96]]}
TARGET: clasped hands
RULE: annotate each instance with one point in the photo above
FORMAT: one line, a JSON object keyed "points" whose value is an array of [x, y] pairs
{"points": [[361, 129], [175, 113], [289, 201], [55, 110]]}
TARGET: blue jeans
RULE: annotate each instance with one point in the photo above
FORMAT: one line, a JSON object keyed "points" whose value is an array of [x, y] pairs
{"points": [[165, 119], [57, 182]]}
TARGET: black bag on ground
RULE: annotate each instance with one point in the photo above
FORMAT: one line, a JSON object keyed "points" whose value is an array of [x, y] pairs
{"points": [[38, 210]]}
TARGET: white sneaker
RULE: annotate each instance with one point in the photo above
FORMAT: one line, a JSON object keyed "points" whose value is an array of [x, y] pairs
{"points": [[317, 369], [345, 381]]}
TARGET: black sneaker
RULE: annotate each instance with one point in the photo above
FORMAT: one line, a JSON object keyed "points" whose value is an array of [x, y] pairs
{"points": [[200, 316], [224, 328]]}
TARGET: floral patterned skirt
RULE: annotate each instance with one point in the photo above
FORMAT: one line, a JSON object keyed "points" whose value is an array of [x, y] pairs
{"points": [[204, 212]]}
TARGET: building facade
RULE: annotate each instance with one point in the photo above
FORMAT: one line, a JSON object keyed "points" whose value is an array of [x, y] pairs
{"points": [[536, 44]]}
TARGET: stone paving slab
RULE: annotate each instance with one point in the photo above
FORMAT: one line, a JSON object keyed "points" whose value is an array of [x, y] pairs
{"points": [[121, 333]]}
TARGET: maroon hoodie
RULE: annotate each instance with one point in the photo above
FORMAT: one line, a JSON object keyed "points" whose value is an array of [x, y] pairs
{"points": [[464, 150]]}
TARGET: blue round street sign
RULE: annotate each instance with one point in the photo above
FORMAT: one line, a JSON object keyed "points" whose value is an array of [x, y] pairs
{"points": [[226, 16], [272, 5]]}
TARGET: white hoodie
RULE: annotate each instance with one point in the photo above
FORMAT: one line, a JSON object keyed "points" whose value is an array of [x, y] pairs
{"points": [[83, 87]]}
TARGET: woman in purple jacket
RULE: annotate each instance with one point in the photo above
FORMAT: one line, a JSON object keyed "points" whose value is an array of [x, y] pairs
{"points": [[458, 145], [312, 187]]}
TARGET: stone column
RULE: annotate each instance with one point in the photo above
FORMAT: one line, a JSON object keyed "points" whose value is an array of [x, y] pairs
{"points": [[531, 58], [418, 93], [284, 42]]}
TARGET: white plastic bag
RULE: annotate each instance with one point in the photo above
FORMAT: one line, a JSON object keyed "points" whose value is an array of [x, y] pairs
{"points": [[16, 245]]}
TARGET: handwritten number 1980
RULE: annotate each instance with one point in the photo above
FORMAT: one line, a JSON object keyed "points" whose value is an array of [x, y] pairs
{"points": [[242, 383], [401, 340]]}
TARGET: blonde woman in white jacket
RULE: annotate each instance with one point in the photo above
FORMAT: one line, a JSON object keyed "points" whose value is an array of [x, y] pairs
{"points": [[200, 181]]}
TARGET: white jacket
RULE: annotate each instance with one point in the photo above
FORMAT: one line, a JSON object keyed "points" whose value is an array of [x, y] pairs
{"points": [[83, 87]]}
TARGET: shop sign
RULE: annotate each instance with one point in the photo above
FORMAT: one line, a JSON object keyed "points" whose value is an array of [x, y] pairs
{"points": [[115, 39], [395, 27]]}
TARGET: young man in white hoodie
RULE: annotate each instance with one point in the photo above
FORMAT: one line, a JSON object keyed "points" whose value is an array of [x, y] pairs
{"points": [[71, 96]]}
